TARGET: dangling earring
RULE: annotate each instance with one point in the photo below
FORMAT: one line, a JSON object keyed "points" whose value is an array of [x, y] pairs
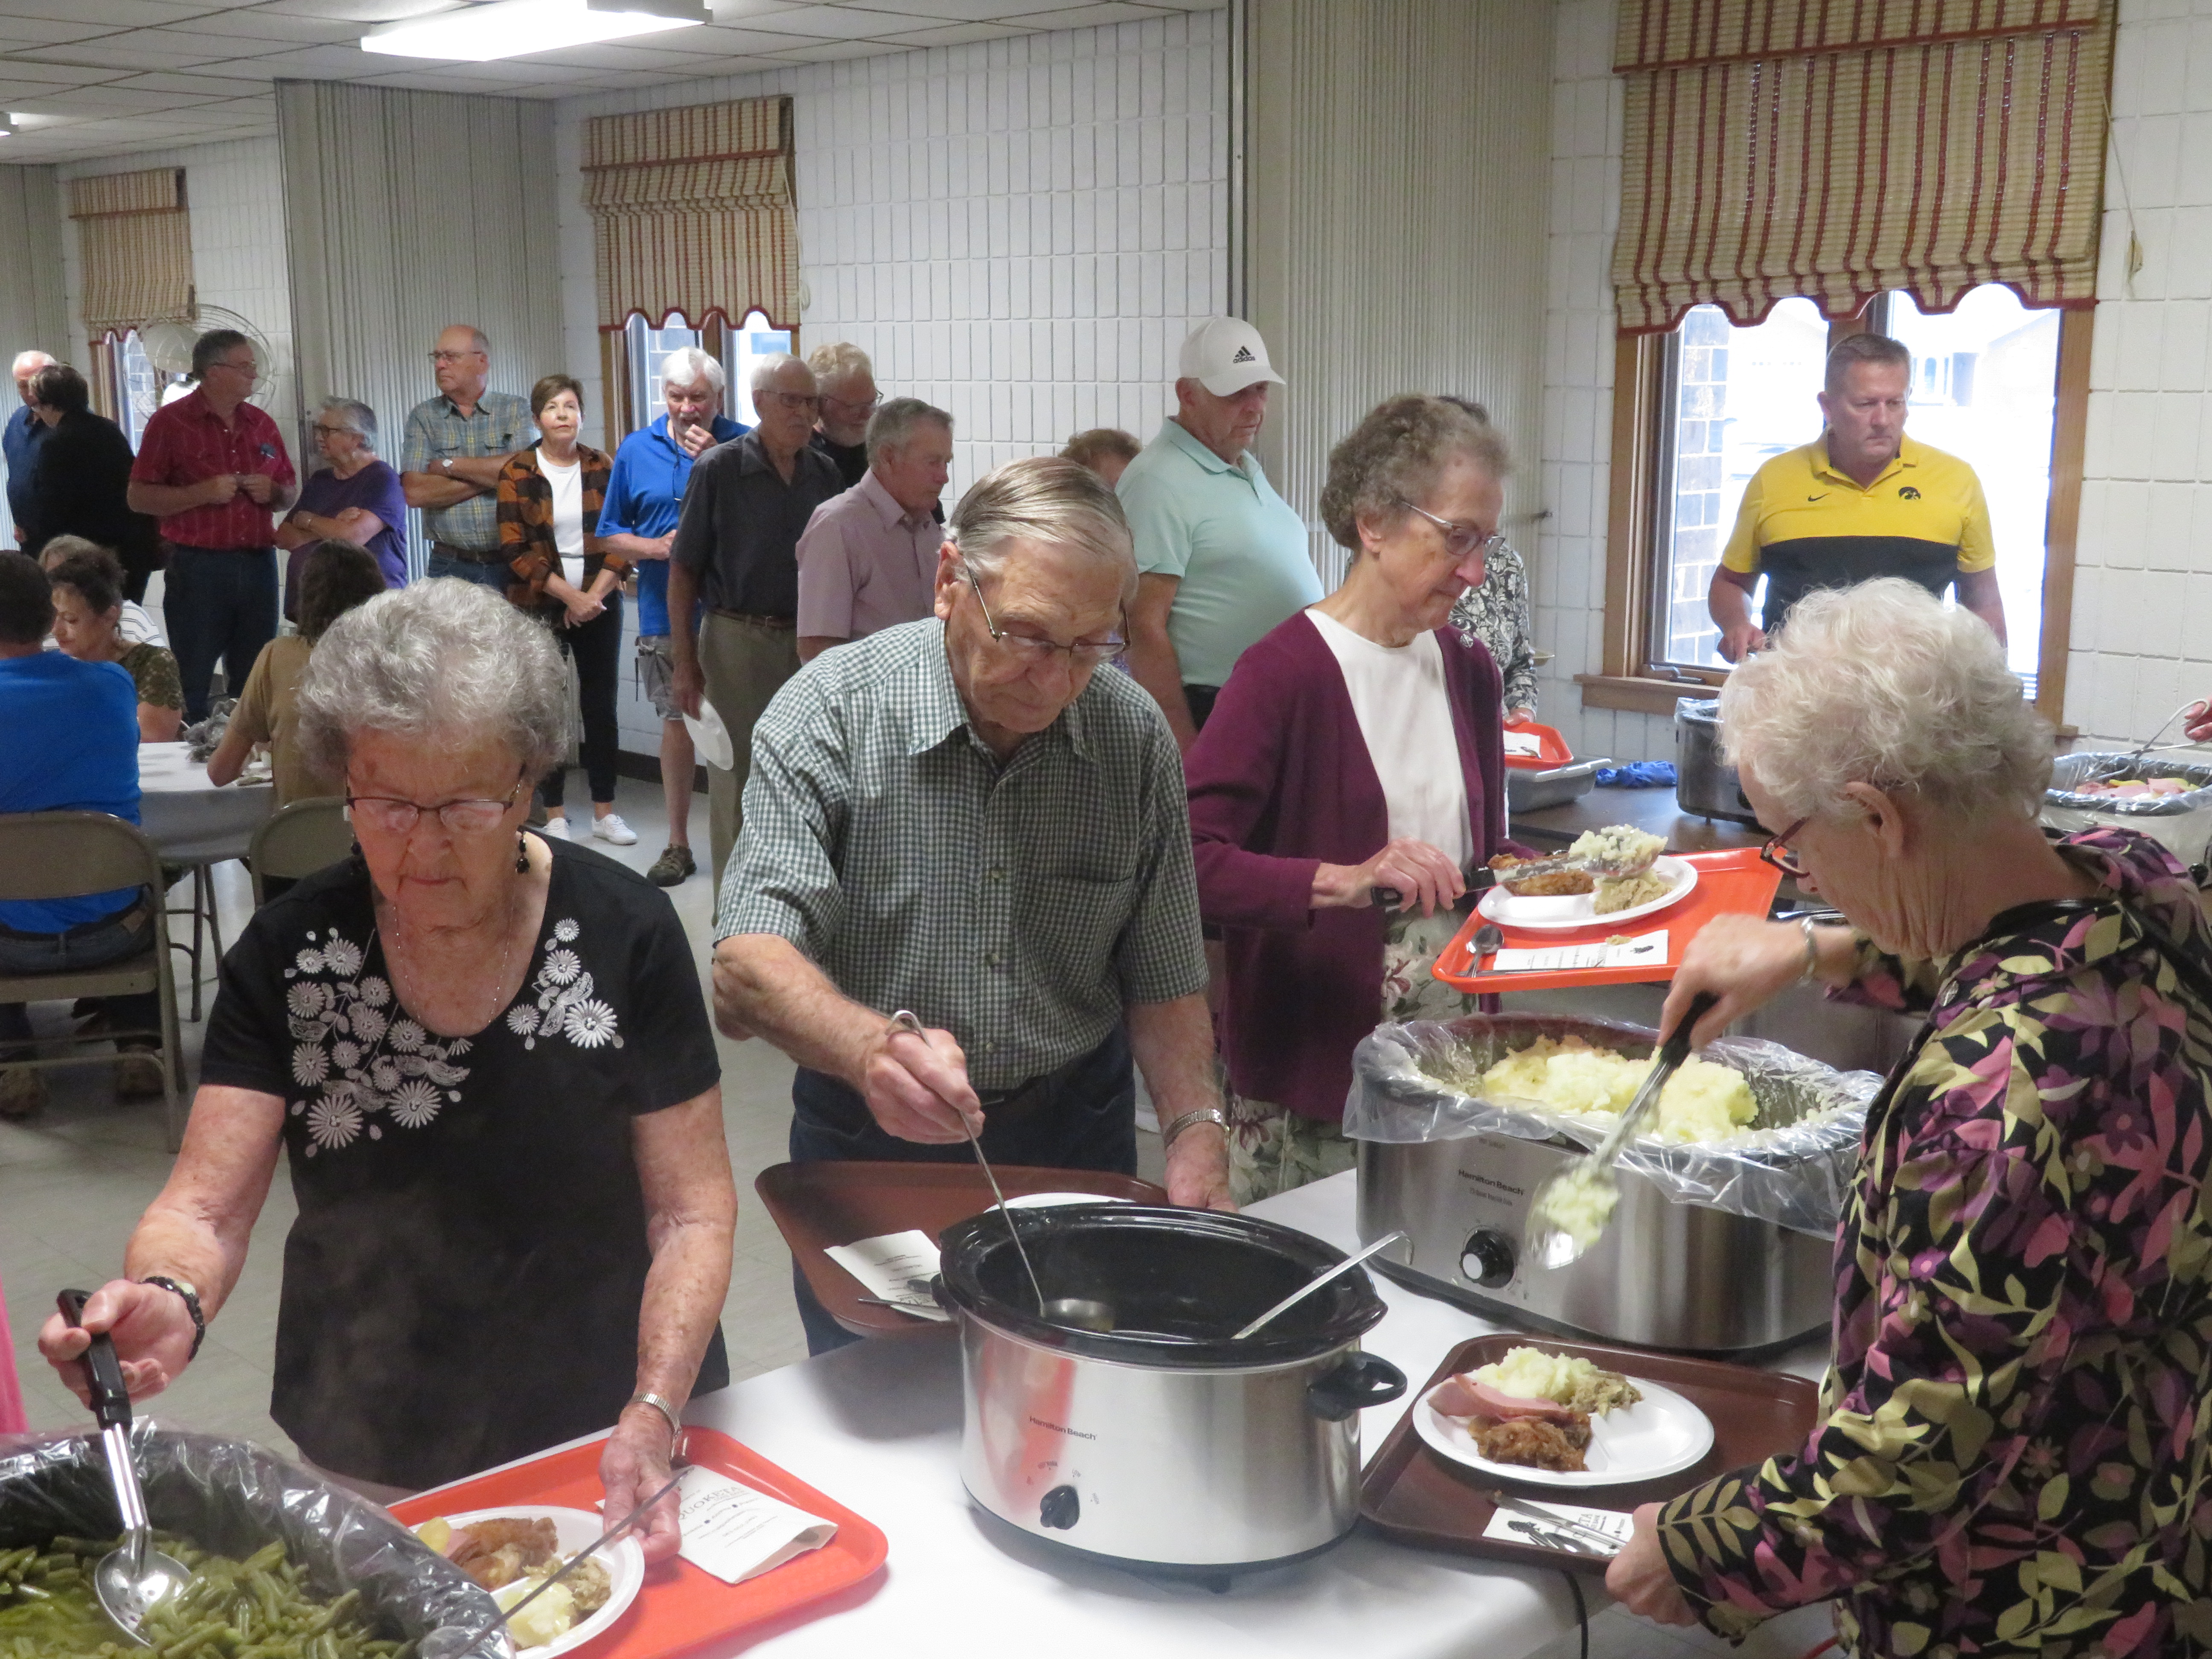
{"points": [[521, 854]]}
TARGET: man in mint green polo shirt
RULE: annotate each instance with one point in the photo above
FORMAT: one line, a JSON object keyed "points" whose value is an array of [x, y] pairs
{"points": [[1222, 560]]}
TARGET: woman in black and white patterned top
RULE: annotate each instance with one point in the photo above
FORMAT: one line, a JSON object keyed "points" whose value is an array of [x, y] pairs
{"points": [[487, 1061]]}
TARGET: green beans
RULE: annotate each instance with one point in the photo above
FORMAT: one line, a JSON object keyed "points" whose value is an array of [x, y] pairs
{"points": [[258, 1608]]}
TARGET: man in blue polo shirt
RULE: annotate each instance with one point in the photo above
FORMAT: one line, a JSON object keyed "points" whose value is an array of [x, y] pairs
{"points": [[72, 745], [645, 496]]}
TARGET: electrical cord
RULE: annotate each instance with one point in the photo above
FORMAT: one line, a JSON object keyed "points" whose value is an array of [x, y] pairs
{"points": [[1582, 1610], [1816, 1653]]}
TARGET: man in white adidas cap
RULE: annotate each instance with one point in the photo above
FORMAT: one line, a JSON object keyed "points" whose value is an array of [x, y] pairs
{"points": [[1222, 559]]}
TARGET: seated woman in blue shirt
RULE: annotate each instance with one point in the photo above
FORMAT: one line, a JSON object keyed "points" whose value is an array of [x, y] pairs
{"points": [[72, 745]]}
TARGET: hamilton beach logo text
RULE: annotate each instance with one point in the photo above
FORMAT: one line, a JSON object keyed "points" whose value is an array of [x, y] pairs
{"points": [[1062, 1428]]}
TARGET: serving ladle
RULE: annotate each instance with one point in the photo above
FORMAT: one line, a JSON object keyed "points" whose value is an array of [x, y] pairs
{"points": [[134, 1577], [1318, 1280]]}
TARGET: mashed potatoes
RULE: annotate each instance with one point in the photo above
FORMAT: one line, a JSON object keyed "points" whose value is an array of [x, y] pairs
{"points": [[1576, 1206], [1620, 844], [1703, 1101], [1626, 892], [1532, 1374]]}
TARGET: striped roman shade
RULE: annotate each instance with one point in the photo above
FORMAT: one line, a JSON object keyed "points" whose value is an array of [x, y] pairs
{"points": [[136, 238], [691, 212], [1837, 148]]}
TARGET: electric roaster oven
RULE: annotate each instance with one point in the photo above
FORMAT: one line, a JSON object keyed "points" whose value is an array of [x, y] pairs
{"points": [[1718, 1247]]}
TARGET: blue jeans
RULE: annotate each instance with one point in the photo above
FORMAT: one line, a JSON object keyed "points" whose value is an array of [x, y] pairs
{"points": [[219, 604], [91, 946], [494, 576], [1087, 1121]]}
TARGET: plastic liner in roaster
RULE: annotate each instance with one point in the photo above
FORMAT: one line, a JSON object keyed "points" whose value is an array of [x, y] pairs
{"points": [[232, 1497], [1421, 1082]]}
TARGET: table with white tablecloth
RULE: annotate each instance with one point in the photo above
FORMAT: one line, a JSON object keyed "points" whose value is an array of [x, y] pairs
{"points": [[877, 1426], [189, 818]]}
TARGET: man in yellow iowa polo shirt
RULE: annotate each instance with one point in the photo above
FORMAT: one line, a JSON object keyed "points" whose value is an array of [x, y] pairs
{"points": [[1861, 501]]}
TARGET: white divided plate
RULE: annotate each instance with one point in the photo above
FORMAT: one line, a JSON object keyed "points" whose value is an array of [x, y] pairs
{"points": [[1575, 909], [624, 1559], [1662, 1434], [1052, 1200]]}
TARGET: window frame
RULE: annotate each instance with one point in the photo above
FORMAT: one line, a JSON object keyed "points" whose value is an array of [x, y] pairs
{"points": [[1627, 679], [619, 397]]}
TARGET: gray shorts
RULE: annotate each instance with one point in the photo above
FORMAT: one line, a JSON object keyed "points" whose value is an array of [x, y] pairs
{"points": [[656, 675]]}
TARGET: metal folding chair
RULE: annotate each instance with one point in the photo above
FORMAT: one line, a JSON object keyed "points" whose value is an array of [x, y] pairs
{"points": [[53, 855], [298, 840]]}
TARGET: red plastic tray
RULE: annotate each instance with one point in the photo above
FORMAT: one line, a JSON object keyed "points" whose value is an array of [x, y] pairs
{"points": [[1554, 752], [681, 1610], [1737, 882]]}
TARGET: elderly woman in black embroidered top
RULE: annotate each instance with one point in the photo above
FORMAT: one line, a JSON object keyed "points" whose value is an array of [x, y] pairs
{"points": [[488, 1061]]}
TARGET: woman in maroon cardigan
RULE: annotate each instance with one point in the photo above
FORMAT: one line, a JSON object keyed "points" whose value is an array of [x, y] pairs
{"points": [[1356, 746]]}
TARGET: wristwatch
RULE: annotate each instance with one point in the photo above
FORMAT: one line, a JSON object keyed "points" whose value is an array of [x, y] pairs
{"points": [[191, 1306]]}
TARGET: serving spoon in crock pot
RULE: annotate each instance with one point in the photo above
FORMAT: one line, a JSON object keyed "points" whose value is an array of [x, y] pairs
{"points": [[132, 1578], [1318, 1280], [1570, 1211]]}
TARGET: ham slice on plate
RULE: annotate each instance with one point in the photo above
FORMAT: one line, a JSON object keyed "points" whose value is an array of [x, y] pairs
{"points": [[1468, 1396]]}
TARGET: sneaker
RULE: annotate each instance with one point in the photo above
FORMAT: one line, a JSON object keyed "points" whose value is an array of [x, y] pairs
{"points": [[672, 868], [137, 1075], [555, 828], [609, 826], [23, 1092]]}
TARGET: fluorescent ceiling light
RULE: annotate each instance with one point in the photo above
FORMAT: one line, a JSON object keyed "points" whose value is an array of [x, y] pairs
{"points": [[515, 28], [7, 126]]}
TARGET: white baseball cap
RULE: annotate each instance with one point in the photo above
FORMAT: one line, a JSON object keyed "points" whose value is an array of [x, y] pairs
{"points": [[1225, 354]]}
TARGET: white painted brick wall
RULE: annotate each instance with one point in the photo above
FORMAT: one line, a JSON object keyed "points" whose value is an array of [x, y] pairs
{"points": [[235, 193], [2143, 588], [1020, 231]]}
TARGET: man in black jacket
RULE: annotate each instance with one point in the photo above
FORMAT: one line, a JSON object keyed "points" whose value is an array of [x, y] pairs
{"points": [[79, 480]]}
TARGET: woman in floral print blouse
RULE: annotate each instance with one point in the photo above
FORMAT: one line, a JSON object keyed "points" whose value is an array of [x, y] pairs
{"points": [[486, 1057], [2013, 1454]]}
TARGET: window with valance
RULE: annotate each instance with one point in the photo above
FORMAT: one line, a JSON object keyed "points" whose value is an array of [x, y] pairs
{"points": [[1838, 149], [135, 239]]}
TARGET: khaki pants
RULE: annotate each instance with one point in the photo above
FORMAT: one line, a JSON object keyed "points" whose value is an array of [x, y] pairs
{"points": [[746, 664]]}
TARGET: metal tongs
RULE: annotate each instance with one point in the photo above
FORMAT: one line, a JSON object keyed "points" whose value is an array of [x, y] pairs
{"points": [[1557, 1237], [2128, 763]]}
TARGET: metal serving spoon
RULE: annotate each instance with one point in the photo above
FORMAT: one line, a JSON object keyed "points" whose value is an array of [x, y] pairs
{"points": [[905, 1021], [134, 1576], [1557, 1237], [1320, 1280]]}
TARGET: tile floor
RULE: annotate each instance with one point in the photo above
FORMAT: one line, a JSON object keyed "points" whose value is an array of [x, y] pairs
{"points": [[75, 1180]]}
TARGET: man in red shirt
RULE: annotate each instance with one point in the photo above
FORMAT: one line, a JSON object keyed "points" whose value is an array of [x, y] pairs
{"points": [[212, 468]]}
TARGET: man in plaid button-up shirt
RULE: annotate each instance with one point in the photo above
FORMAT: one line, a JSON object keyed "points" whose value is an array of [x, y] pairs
{"points": [[959, 817]]}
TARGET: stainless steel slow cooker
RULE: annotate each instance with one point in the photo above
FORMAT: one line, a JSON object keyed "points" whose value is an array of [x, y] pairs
{"points": [[1705, 786], [1672, 1270], [1160, 1443]]}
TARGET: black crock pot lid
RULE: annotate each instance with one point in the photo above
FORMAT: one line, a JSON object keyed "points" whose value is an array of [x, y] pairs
{"points": [[1337, 1314]]}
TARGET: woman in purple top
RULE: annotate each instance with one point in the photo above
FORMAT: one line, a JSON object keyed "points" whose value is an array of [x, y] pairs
{"points": [[356, 498], [1357, 746]]}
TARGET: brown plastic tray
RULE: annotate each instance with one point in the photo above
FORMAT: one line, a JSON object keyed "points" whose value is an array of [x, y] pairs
{"points": [[817, 1205], [1412, 1495]]}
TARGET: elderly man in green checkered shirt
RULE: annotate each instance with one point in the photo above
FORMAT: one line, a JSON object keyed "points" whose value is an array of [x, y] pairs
{"points": [[962, 820]]}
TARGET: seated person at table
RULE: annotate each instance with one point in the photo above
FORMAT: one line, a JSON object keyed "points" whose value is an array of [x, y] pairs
{"points": [[87, 598], [72, 745], [484, 1056], [335, 577], [138, 626], [1357, 746]]}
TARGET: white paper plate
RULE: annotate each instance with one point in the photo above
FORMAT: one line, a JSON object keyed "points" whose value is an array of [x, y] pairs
{"points": [[1052, 1200], [624, 1560], [1577, 910], [1662, 1434]]}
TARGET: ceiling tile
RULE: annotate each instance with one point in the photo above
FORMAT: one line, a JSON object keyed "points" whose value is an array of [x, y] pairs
{"points": [[17, 33], [832, 22], [121, 100], [718, 39], [1090, 16], [197, 86], [956, 35], [831, 51], [976, 11], [358, 11], [267, 23], [330, 63], [14, 67], [109, 14], [725, 11]]}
